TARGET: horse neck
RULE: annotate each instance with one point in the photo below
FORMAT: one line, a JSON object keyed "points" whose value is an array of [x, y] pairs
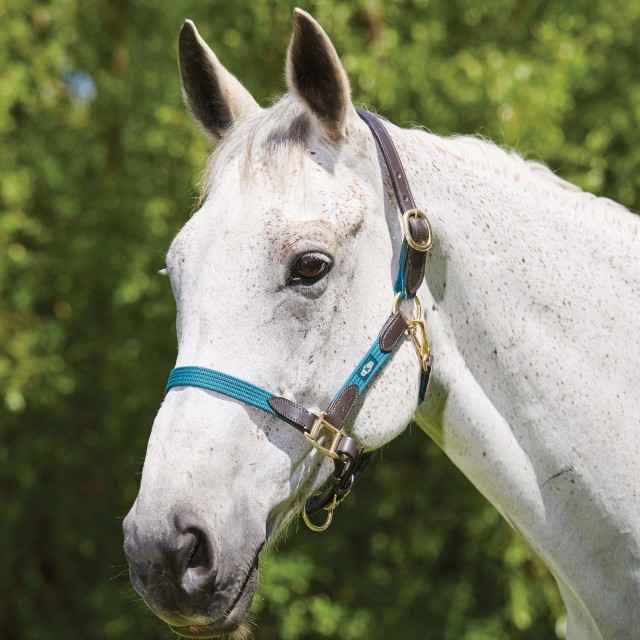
{"points": [[531, 317]]}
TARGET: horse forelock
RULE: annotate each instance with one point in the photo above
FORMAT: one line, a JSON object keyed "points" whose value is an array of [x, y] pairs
{"points": [[273, 140]]}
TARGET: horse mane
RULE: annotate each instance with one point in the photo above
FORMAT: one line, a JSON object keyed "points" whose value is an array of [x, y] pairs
{"points": [[488, 156], [277, 137]]}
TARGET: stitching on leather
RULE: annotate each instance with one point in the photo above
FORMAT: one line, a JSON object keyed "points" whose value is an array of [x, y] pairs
{"points": [[392, 158], [353, 402], [385, 332], [413, 284], [336, 403], [392, 152], [390, 161], [410, 273], [423, 257], [289, 416], [344, 411]]}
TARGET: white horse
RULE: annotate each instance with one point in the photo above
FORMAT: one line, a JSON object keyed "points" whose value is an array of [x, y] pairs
{"points": [[284, 277]]}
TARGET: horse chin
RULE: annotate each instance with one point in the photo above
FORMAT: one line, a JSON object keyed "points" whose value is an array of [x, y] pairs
{"points": [[240, 632], [231, 624]]}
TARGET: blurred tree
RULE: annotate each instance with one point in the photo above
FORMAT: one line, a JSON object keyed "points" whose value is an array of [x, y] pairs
{"points": [[96, 175]]}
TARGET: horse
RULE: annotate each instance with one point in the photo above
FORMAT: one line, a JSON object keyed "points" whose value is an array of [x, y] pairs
{"points": [[282, 280]]}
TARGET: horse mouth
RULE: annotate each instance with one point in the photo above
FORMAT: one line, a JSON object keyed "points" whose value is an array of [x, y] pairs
{"points": [[231, 622]]}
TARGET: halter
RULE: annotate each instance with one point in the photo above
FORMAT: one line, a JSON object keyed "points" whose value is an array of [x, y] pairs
{"points": [[325, 430]]}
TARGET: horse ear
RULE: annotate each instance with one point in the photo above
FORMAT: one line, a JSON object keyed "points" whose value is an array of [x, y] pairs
{"points": [[216, 98], [315, 74]]}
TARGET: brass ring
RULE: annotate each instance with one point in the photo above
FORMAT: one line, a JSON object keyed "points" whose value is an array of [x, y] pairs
{"points": [[397, 301], [406, 229], [329, 508], [318, 528]]}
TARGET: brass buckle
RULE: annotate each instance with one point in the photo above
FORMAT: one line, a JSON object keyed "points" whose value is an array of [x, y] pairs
{"points": [[316, 433], [406, 229]]}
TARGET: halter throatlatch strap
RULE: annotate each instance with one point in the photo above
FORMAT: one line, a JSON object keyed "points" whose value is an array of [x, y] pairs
{"points": [[324, 430]]}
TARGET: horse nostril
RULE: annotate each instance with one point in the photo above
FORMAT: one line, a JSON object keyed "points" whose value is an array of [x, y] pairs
{"points": [[197, 560], [199, 553], [177, 564]]}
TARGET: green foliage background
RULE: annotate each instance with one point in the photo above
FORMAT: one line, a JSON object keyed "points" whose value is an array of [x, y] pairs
{"points": [[97, 170]]}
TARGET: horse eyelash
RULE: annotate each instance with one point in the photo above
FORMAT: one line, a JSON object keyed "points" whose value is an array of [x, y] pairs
{"points": [[164, 272]]}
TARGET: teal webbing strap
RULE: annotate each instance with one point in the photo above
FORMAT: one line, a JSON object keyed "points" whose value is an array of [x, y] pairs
{"points": [[367, 368], [244, 391], [221, 383], [400, 286]]}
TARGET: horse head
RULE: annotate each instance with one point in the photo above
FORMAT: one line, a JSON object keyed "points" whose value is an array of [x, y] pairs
{"points": [[282, 278]]}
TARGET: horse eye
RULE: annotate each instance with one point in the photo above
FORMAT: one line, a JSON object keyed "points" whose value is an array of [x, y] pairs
{"points": [[309, 268]]}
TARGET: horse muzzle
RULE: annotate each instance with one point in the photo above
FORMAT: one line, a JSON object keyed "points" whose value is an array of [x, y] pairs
{"points": [[178, 574]]}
